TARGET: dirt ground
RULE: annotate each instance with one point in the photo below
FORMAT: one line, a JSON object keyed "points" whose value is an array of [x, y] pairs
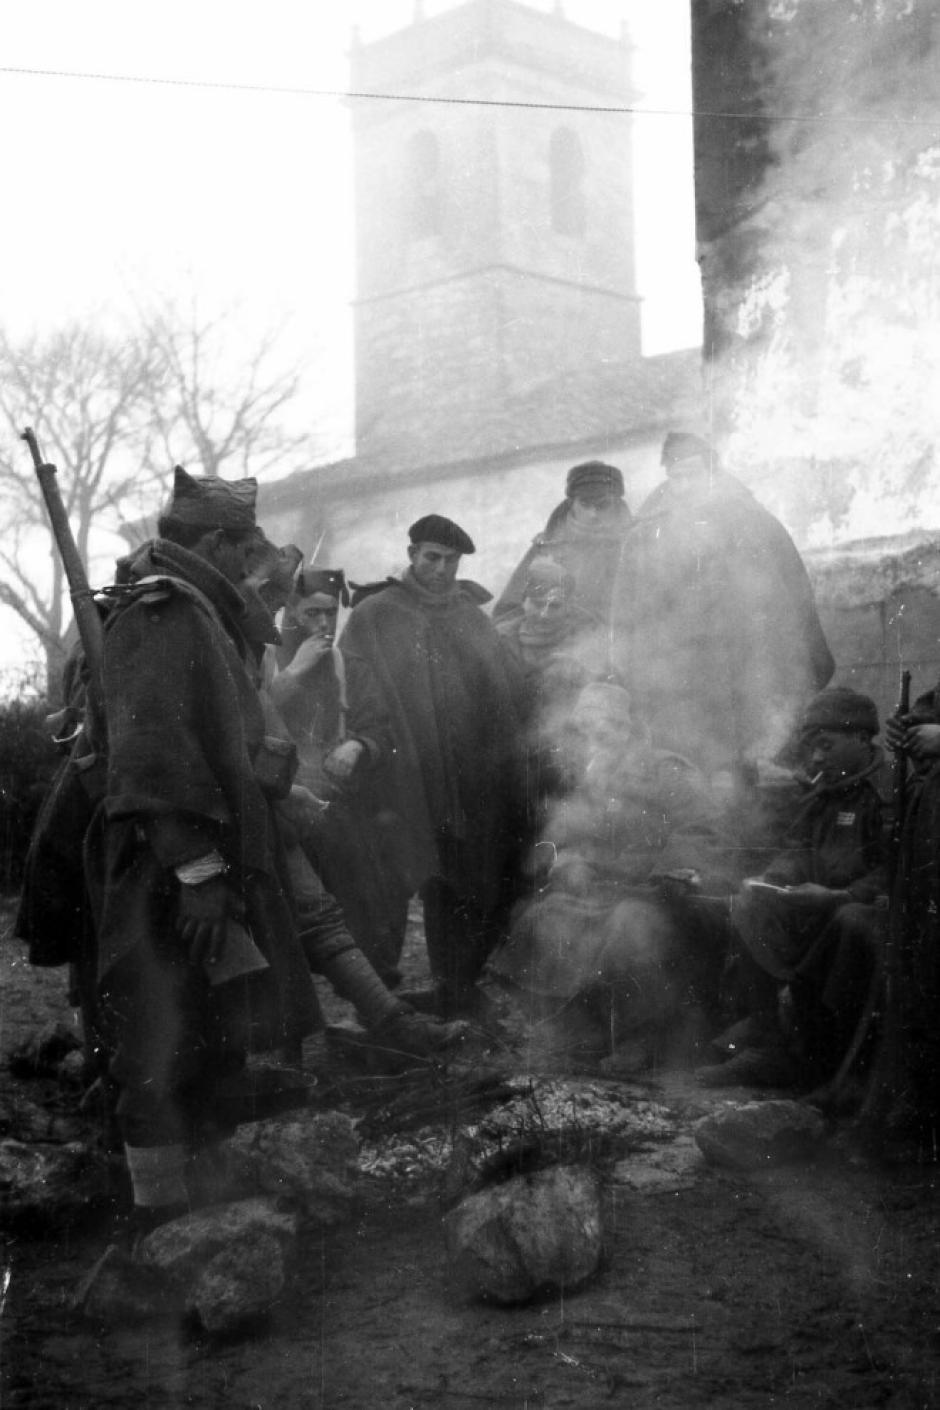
{"points": [[812, 1285]]}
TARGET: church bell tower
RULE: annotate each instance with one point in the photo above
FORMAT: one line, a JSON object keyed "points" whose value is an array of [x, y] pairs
{"points": [[495, 230]]}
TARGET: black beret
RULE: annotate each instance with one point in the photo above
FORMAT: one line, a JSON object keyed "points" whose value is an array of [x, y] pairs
{"points": [[594, 476], [434, 528], [840, 708], [208, 502]]}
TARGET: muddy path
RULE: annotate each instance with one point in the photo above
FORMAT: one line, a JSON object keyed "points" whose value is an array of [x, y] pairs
{"points": [[814, 1285]]}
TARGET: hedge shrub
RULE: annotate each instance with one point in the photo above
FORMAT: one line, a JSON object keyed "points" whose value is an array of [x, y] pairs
{"points": [[28, 760]]}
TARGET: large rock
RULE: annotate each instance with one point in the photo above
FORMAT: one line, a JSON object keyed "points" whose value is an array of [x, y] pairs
{"points": [[239, 1284], [183, 1248], [310, 1162], [533, 1233], [760, 1134], [49, 1184]]}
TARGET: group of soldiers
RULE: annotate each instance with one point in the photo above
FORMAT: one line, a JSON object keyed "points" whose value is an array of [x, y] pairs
{"points": [[272, 795]]}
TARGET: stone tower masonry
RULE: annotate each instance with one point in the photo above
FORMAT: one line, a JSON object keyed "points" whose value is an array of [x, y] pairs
{"points": [[494, 243]]}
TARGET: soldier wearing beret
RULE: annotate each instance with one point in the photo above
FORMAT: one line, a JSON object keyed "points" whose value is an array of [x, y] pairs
{"points": [[584, 534], [453, 698], [809, 928], [339, 878]]}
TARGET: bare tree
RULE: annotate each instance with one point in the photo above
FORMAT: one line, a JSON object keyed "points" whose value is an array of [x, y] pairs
{"points": [[88, 397], [220, 403], [114, 414]]}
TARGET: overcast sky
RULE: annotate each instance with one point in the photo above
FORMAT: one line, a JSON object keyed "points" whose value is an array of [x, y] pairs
{"points": [[114, 188]]}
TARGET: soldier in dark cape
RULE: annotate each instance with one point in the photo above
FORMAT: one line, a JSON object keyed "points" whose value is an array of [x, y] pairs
{"points": [[312, 828], [453, 699], [197, 951], [714, 624], [584, 534]]}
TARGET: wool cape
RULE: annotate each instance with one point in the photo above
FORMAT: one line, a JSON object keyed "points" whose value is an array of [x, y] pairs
{"points": [[714, 625], [453, 698], [187, 773]]}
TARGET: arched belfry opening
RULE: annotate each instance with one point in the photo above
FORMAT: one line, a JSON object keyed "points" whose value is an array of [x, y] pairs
{"points": [[567, 169], [494, 230]]}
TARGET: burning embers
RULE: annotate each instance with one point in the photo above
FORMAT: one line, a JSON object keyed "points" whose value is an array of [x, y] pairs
{"points": [[563, 1116]]}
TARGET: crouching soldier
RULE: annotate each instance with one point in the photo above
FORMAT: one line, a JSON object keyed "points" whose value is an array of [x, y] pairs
{"points": [[808, 931], [620, 944]]}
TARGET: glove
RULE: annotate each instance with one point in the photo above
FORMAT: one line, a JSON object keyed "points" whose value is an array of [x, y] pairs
{"points": [[202, 918]]}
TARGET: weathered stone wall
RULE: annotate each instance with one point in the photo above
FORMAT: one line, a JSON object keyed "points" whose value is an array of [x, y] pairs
{"points": [[879, 603]]}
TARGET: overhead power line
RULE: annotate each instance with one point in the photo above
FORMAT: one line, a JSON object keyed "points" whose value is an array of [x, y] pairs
{"points": [[210, 85], [299, 92]]}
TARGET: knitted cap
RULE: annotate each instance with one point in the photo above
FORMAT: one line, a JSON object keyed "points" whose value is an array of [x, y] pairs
{"points": [[207, 502], [594, 478], [434, 528], [839, 708]]}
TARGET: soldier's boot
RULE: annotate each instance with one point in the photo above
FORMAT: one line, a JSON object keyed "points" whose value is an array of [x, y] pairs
{"points": [[419, 1034], [389, 1021]]}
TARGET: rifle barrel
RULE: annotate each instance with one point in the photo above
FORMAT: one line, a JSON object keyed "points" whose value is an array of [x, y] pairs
{"points": [[86, 613]]}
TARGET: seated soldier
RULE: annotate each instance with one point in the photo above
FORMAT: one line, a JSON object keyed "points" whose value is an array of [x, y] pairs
{"points": [[807, 931], [616, 937]]}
